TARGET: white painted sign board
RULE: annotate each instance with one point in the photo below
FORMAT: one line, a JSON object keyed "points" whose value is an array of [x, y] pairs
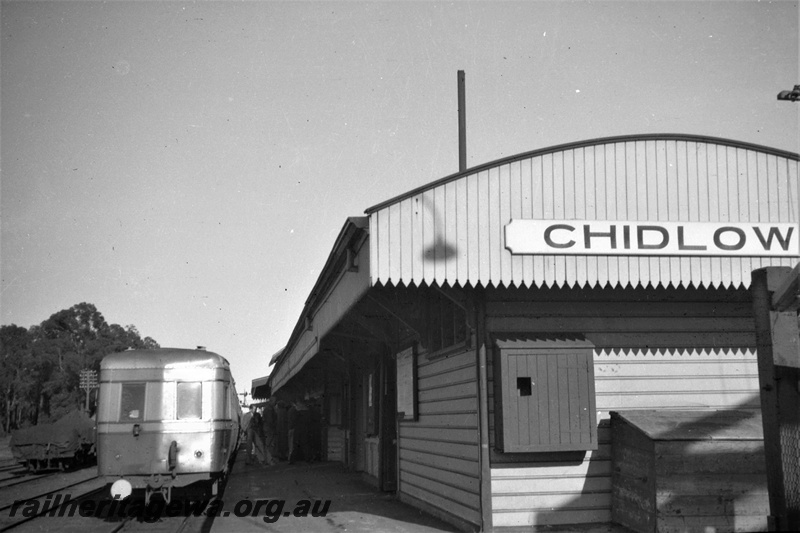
{"points": [[609, 237]]}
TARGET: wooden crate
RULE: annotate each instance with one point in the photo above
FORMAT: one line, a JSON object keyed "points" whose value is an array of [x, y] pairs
{"points": [[679, 471]]}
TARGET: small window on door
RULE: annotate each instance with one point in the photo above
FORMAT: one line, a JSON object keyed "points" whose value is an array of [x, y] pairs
{"points": [[131, 405], [190, 400], [371, 403]]}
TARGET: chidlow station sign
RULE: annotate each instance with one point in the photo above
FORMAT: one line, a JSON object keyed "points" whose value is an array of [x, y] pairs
{"points": [[580, 237]]}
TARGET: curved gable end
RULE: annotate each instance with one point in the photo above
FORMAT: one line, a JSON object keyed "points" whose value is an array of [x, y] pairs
{"points": [[649, 210]]}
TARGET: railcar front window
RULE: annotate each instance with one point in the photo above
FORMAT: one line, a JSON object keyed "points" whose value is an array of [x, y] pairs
{"points": [[190, 401], [132, 403]]}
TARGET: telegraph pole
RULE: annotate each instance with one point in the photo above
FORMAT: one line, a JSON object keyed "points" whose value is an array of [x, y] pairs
{"points": [[88, 381]]}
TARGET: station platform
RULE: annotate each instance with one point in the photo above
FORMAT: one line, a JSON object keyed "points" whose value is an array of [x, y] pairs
{"points": [[275, 494], [355, 506]]}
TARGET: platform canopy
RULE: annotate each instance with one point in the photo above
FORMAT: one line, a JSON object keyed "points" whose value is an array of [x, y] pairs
{"points": [[342, 282], [259, 388]]}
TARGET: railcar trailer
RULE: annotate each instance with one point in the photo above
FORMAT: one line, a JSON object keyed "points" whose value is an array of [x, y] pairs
{"points": [[167, 418]]}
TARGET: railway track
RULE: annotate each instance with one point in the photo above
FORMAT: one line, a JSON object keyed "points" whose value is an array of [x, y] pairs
{"points": [[47, 503], [19, 480], [12, 471], [13, 475], [188, 522], [86, 506]]}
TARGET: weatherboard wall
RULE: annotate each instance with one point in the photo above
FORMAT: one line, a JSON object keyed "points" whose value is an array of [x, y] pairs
{"points": [[667, 349], [438, 453]]}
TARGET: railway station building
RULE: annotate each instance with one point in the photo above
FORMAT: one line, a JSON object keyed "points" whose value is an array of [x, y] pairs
{"points": [[468, 340]]}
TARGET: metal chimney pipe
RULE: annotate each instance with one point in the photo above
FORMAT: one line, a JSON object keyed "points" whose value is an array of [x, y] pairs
{"points": [[462, 124]]}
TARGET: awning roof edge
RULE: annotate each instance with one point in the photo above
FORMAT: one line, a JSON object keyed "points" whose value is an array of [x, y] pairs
{"points": [[332, 296]]}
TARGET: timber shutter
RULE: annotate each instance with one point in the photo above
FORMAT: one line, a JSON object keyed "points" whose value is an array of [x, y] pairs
{"points": [[545, 394]]}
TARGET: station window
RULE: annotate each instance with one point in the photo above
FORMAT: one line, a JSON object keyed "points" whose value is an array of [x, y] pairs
{"points": [[190, 400], [447, 324], [131, 405]]}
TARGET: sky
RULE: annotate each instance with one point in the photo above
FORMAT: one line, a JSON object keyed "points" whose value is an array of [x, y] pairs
{"points": [[187, 166]]}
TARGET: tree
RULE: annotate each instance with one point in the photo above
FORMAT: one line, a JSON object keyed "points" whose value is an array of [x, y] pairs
{"points": [[47, 360], [15, 351]]}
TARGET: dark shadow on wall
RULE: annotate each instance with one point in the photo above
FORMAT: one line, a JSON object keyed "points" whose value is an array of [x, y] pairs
{"points": [[561, 473], [439, 249]]}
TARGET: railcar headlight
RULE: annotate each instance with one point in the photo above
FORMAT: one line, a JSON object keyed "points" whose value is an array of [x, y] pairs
{"points": [[198, 454], [121, 489]]}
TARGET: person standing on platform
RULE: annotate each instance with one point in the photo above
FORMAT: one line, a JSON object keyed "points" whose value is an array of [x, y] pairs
{"points": [[269, 419], [252, 427], [243, 425]]}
